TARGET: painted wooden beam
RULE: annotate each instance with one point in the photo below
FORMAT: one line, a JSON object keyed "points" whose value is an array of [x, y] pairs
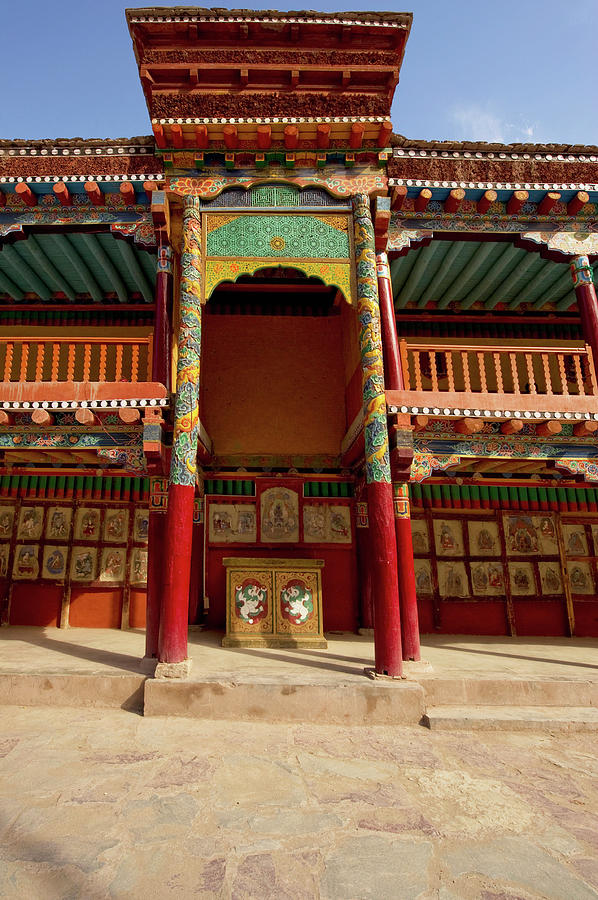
{"points": [[454, 200], [103, 260], [135, 270], [7, 286], [127, 191], [516, 201], [85, 416], [540, 282], [397, 196], [385, 133], [291, 137], [547, 202], [513, 426], [2, 199], [42, 417], [412, 286], [420, 423], [512, 280], [63, 245], [202, 138], [5, 418], [422, 200], [176, 133], [467, 273], [445, 255], [323, 133], [231, 137], [159, 136], [26, 194], [25, 273], [51, 273], [94, 193], [585, 429], [566, 302], [264, 137], [62, 192], [469, 425], [356, 138], [486, 201], [550, 428], [577, 203], [491, 277]]}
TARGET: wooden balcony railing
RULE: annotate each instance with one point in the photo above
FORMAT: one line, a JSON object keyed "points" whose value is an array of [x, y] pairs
{"points": [[488, 368], [76, 359]]}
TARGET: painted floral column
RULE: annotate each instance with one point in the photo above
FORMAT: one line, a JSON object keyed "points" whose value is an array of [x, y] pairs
{"points": [[382, 543], [393, 377], [183, 466], [163, 296], [585, 291]]}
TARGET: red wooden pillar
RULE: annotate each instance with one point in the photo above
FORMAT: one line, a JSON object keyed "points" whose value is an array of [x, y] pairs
{"points": [[183, 466], [585, 290], [382, 543], [155, 558], [366, 600], [197, 562], [163, 295], [393, 377]]}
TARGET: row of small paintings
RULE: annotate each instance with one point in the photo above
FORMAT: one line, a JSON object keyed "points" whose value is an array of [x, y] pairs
{"points": [[83, 563], [524, 536], [487, 578], [236, 523], [59, 519]]}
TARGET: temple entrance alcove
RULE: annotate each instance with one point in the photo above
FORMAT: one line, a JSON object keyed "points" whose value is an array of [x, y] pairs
{"points": [[280, 386]]}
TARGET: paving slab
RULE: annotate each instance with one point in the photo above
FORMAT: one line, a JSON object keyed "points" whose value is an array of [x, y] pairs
{"points": [[512, 718], [107, 804]]}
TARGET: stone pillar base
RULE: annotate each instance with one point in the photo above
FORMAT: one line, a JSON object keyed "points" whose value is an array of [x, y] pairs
{"points": [[148, 665], [173, 670], [375, 676], [368, 632]]}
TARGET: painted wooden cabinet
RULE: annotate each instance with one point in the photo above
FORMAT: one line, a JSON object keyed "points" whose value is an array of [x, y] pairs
{"points": [[273, 602]]}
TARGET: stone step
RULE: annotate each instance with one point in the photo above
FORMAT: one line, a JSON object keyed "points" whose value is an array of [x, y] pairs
{"points": [[511, 718], [325, 703], [98, 690], [509, 691]]}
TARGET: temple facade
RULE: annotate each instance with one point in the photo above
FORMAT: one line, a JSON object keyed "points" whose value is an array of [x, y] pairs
{"points": [[279, 371]]}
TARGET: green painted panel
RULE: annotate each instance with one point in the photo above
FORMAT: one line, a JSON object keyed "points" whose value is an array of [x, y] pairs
{"points": [[286, 237]]}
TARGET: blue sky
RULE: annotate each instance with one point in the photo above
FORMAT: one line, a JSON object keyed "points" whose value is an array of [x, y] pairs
{"points": [[503, 70]]}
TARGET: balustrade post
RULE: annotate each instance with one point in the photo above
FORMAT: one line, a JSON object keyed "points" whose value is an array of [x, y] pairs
{"points": [[183, 468], [382, 543], [163, 295], [585, 291]]}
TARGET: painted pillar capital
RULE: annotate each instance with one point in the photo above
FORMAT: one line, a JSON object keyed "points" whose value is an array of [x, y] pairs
{"points": [[581, 271], [164, 261], [382, 266]]}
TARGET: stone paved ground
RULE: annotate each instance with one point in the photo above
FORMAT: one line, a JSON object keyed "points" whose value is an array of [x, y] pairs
{"points": [[97, 804]]}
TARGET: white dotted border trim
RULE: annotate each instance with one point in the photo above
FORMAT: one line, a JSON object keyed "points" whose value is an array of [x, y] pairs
{"points": [[491, 414], [26, 406], [54, 179], [491, 154], [488, 185], [269, 120], [138, 20], [76, 151]]}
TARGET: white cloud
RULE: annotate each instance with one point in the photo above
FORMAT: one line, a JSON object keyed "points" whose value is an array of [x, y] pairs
{"points": [[476, 124]]}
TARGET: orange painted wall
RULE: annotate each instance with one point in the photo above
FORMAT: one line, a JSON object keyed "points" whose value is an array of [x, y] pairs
{"points": [[35, 604], [273, 385], [137, 604], [95, 608]]}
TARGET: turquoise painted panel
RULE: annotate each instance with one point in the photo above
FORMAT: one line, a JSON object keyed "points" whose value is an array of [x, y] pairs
{"points": [[286, 237]]}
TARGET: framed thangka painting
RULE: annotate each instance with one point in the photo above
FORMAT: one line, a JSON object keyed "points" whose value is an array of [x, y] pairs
{"points": [[452, 579], [58, 523], [112, 567], [531, 535], [487, 578], [31, 523], [575, 540], [419, 536], [326, 524], [4, 552], [54, 562], [116, 525], [232, 522], [141, 525], [581, 578], [550, 577], [26, 562], [84, 561], [87, 524], [7, 518], [423, 576], [521, 579], [448, 537], [279, 513], [138, 572], [484, 538]]}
